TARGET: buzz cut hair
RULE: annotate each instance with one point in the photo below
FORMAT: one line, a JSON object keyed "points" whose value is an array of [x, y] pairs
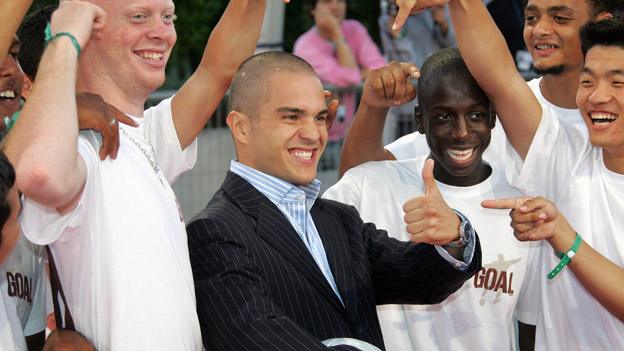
{"points": [[608, 32], [445, 62], [248, 87]]}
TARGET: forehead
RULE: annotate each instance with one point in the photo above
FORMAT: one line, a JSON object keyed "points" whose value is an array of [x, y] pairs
{"points": [[294, 89], [605, 59], [121, 5], [454, 91]]}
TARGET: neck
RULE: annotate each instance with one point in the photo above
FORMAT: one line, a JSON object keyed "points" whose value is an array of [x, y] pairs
{"points": [[614, 159], [560, 89], [478, 176], [123, 98]]}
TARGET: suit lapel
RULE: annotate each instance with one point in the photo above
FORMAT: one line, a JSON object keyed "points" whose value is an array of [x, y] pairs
{"points": [[273, 226], [335, 241]]}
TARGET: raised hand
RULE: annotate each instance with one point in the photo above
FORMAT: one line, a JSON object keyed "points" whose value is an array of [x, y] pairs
{"points": [[94, 113], [332, 107], [410, 7], [80, 18], [428, 217], [390, 85], [532, 218]]}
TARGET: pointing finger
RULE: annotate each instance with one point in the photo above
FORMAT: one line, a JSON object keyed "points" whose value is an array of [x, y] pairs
{"points": [[509, 203]]}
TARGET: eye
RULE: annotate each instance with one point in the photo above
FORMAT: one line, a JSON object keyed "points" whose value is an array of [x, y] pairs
{"points": [[586, 83], [169, 18], [476, 116], [530, 19], [290, 117], [442, 117], [561, 19], [618, 84], [321, 118], [139, 17]]}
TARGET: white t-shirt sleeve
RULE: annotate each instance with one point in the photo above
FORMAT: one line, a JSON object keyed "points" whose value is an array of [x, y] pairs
{"points": [[43, 225], [347, 190], [409, 146], [553, 156], [161, 132], [38, 317]]}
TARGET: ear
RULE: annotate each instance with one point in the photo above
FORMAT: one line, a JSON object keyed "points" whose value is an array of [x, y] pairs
{"points": [[418, 117], [240, 126], [603, 16], [492, 117], [26, 87]]}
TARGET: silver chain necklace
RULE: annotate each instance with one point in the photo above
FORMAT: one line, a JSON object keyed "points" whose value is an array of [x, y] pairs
{"points": [[151, 156]]}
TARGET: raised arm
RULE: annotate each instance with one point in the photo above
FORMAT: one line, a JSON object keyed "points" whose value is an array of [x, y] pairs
{"points": [[486, 54], [539, 219], [43, 143], [11, 14], [232, 41], [384, 87]]}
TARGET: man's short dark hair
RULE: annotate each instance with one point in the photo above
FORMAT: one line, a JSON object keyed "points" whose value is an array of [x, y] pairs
{"points": [[446, 62], [249, 84], [604, 33], [32, 38], [7, 179]]}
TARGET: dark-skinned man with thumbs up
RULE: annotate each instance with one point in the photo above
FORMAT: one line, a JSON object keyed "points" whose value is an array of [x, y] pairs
{"points": [[457, 120]]}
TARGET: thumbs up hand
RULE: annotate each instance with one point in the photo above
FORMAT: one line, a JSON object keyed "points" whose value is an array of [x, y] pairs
{"points": [[428, 217]]}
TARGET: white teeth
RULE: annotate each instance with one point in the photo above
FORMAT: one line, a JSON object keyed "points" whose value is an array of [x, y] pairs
{"points": [[304, 155], [545, 46], [602, 118], [151, 55], [7, 94], [460, 155]]}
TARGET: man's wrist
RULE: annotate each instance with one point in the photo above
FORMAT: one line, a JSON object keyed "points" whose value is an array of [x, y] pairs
{"points": [[464, 232]]}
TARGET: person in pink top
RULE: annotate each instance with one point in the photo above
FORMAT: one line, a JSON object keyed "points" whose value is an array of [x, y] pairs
{"points": [[341, 52]]}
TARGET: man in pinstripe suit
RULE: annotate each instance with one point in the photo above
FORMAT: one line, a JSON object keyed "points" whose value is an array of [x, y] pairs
{"points": [[275, 268]]}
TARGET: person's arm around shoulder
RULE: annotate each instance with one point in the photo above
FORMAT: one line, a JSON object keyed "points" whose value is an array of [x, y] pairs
{"points": [[384, 87], [488, 58], [232, 41], [539, 219], [43, 143]]}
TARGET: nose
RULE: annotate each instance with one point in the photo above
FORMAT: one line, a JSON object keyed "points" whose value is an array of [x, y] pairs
{"points": [[460, 129], [310, 132], [161, 30], [601, 94], [10, 67], [543, 27]]}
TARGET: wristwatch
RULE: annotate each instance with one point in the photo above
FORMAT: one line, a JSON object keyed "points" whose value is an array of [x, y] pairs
{"points": [[464, 228]]}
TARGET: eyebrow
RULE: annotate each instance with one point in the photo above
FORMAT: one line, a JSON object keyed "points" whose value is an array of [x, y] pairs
{"points": [[553, 9], [613, 72]]}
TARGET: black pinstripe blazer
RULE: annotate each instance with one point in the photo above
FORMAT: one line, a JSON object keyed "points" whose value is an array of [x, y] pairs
{"points": [[258, 287]]}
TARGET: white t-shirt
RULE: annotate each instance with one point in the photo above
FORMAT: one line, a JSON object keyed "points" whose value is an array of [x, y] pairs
{"points": [[415, 144], [122, 253], [564, 167], [480, 315], [23, 291]]}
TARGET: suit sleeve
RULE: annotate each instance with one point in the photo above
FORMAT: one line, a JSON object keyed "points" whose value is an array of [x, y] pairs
{"points": [[234, 307], [406, 273]]}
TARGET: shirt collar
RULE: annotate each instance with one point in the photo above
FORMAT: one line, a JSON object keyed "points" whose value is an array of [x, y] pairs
{"points": [[276, 189]]}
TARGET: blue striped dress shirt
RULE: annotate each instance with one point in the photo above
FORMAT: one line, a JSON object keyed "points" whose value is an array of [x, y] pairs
{"points": [[295, 202]]}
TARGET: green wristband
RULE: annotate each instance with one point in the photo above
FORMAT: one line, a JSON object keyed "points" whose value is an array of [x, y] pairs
{"points": [[49, 37], [566, 258]]}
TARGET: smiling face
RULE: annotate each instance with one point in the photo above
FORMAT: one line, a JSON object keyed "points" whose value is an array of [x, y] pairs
{"points": [[289, 133], [457, 119], [11, 80], [135, 43], [551, 33], [600, 97]]}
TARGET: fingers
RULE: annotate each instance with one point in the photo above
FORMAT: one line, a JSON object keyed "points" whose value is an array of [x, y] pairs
{"points": [[405, 8], [110, 137], [431, 188], [121, 117], [332, 109], [509, 203]]}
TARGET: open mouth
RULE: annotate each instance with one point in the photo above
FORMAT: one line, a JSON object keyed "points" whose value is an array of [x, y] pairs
{"points": [[152, 57], [545, 49], [304, 155], [461, 156], [8, 94], [602, 118]]}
